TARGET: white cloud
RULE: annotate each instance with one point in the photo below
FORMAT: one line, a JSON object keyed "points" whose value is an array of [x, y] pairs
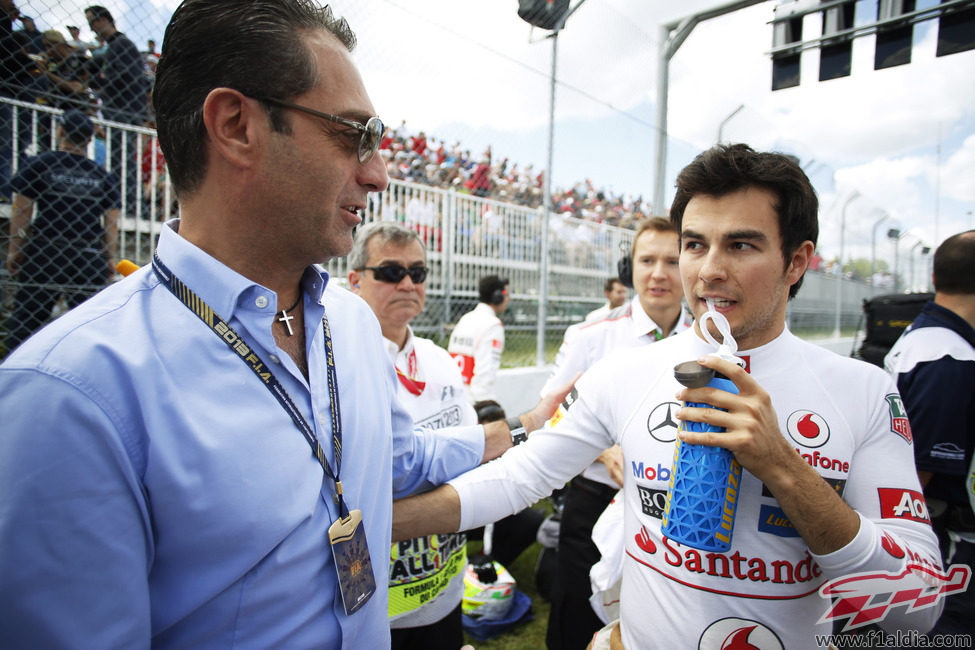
{"points": [[958, 175]]}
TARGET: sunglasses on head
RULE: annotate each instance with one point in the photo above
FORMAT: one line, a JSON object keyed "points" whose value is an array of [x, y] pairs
{"points": [[394, 273]]}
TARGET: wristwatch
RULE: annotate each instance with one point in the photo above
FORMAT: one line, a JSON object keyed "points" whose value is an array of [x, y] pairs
{"points": [[518, 432]]}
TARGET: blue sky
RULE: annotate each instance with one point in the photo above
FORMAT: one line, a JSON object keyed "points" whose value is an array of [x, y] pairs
{"points": [[902, 141]]}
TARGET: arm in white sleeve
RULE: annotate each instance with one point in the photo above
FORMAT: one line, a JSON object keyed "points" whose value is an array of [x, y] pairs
{"points": [[895, 531], [529, 472]]}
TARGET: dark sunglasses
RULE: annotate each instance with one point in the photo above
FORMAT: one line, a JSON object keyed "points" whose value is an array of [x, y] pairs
{"points": [[371, 132], [394, 273]]}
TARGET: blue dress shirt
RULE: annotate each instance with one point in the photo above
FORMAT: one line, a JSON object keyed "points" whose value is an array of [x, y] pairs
{"points": [[154, 493]]}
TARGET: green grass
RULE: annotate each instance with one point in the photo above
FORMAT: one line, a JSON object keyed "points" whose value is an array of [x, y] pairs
{"points": [[531, 635]]}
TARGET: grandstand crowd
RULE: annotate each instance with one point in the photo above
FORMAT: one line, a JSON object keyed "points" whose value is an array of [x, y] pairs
{"points": [[57, 68]]}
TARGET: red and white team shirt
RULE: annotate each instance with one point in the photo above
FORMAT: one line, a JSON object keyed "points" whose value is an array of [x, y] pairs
{"points": [[842, 416], [476, 345]]}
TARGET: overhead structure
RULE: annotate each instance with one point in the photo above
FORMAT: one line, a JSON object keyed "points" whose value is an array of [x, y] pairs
{"points": [[893, 24]]}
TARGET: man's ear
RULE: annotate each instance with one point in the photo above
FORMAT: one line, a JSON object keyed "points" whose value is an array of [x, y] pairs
{"points": [[354, 278], [235, 125], [799, 262]]}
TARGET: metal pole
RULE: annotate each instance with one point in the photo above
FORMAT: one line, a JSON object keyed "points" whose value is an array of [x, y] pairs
{"points": [[660, 150], [897, 281], [873, 252], [726, 120], [913, 280], [839, 276], [667, 47], [546, 209]]}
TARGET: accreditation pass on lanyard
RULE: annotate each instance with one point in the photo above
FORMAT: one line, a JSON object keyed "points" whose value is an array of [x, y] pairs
{"points": [[351, 554]]}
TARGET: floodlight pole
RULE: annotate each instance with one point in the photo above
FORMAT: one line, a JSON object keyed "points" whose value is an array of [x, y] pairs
{"points": [[547, 197], [670, 36], [839, 277], [873, 252]]}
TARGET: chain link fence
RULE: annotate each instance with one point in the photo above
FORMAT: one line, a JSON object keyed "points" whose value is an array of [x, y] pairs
{"points": [[474, 194]]}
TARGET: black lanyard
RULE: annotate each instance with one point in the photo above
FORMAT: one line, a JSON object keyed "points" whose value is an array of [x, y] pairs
{"points": [[247, 354]]}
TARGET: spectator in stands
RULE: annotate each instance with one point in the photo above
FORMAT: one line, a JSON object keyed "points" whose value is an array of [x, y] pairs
{"points": [[122, 87], [75, 40], [33, 35], [933, 363], [15, 74], [477, 341], [151, 56], [66, 250], [615, 292], [67, 72]]}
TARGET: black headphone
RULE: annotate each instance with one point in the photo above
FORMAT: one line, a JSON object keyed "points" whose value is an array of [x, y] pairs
{"points": [[499, 294], [624, 268]]}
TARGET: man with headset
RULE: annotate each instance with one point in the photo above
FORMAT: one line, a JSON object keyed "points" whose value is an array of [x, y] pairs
{"points": [[655, 313], [477, 341]]}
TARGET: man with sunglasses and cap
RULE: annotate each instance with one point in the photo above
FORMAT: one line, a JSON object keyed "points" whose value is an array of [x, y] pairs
{"points": [[477, 342], [220, 442]]}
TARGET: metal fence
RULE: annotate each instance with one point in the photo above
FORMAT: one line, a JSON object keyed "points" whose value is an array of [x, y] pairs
{"points": [[466, 237]]}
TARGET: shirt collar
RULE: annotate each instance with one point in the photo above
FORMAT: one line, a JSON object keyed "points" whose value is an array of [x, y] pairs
{"points": [[644, 325], [393, 350], [225, 290]]}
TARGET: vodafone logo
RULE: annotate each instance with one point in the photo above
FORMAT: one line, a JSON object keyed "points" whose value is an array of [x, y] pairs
{"points": [[739, 634], [808, 429]]}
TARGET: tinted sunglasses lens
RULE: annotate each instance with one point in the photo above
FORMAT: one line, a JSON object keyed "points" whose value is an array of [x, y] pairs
{"points": [[418, 274], [391, 274], [371, 138]]}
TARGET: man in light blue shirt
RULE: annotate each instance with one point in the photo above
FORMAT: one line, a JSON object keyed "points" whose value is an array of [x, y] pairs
{"points": [[159, 486]]}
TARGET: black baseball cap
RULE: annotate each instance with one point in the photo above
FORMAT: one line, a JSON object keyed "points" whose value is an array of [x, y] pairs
{"points": [[77, 123]]}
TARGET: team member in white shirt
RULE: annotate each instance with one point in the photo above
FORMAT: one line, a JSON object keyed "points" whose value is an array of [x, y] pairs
{"points": [[828, 490], [615, 292], [653, 314], [477, 341]]}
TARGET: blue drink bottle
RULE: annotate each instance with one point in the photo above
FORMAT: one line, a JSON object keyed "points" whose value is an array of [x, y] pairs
{"points": [[702, 496]]}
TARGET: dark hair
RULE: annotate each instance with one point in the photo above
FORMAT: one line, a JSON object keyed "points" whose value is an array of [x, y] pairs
{"points": [[487, 286], [724, 169], [99, 11], [488, 411], [252, 46], [954, 264], [608, 286]]}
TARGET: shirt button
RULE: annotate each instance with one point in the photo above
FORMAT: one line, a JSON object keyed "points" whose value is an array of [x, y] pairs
{"points": [[261, 302], [274, 359]]}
